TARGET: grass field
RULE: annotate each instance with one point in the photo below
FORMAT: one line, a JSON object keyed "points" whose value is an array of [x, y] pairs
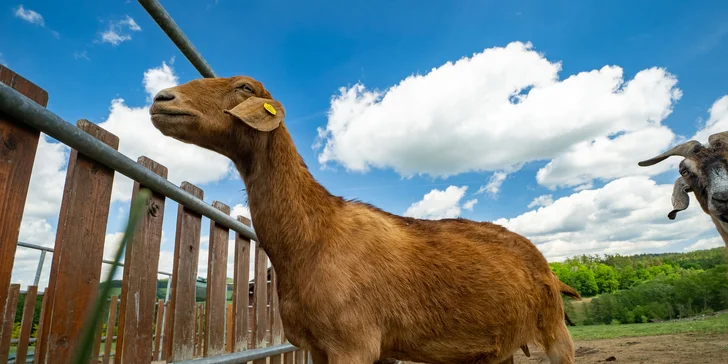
{"points": [[709, 325]]}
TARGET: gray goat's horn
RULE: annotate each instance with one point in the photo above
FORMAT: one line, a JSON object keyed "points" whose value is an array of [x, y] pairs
{"points": [[718, 136], [680, 197], [684, 150]]}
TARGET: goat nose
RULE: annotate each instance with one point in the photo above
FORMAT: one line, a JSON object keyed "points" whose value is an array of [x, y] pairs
{"points": [[164, 95], [720, 197]]}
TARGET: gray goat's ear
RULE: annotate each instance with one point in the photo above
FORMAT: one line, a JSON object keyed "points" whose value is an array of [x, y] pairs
{"points": [[680, 198], [259, 113]]}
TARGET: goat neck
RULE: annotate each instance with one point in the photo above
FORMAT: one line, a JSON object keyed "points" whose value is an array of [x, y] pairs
{"points": [[289, 209]]}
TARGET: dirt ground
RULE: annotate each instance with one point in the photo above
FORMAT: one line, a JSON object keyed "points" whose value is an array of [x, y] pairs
{"points": [[682, 348]]}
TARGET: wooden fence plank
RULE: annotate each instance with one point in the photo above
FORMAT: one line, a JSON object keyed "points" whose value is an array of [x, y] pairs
{"points": [[166, 330], [299, 356], [276, 330], [139, 286], [8, 320], [39, 336], [94, 359], [179, 343], [288, 358], [110, 325], [79, 248], [198, 337], [18, 144], [229, 328], [26, 325], [216, 285], [241, 289], [260, 300], [158, 330]]}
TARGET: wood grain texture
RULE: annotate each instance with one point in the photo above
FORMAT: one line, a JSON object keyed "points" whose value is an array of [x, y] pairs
{"points": [[9, 320], [26, 325], [260, 300], [179, 343], [110, 325], [18, 144], [94, 359], [158, 330], [79, 248], [241, 297], [216, 286], [39, 336], [139, 285], [276, 330]]}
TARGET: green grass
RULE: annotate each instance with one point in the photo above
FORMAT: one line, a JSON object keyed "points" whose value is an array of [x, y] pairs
{"points": [[710, 325]]}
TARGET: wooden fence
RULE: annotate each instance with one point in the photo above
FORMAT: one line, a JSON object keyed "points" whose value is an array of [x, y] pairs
{"points": [[147, 329]]}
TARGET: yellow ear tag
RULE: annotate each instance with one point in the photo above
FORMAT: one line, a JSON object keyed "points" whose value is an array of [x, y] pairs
{"points": [[270, 108]]}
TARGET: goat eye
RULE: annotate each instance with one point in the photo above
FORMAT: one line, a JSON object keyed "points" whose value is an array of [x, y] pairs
{"points": [[685, 172], [246, 88]]}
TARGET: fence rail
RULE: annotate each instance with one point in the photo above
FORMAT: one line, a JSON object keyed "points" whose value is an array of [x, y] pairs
{"points": [[185, 330]]}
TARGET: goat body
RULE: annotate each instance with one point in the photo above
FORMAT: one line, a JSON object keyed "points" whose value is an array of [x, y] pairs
{"points": [[357, 284]]}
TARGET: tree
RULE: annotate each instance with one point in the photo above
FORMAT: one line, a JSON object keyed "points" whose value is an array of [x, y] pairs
{"points": [[607, 278]]}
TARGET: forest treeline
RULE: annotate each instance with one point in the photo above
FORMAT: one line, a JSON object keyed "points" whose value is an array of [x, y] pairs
{"points": [[646, 287]]}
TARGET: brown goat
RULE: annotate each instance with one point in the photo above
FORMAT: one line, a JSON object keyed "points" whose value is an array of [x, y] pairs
{"points": [[357, 284], [704, 172]]}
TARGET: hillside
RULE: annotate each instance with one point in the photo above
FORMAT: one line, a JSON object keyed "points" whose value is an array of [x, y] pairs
{"points": [[645, 287]]}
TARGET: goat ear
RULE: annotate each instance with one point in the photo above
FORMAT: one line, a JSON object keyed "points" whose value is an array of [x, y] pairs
{"points": [[259, 113], [680, 198]]}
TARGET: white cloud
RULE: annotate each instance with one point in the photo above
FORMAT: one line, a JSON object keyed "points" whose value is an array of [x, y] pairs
{"points": [[131, 24], [468, 205], [157, 79], [717, 121], [494, 184], [137, 137], [541, 201], [28, 15], [117, 31], [708, 243], [111, 36], [627, 215], [495, 111], [240, 210], [81, 55], [439, 204], [607, 158], [47, 180]]}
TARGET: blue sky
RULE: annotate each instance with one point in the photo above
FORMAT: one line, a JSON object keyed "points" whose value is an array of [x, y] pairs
{"points": [[399, 148]]}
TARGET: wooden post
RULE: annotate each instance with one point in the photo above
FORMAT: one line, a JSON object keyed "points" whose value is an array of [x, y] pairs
{"points": [[228, 328], [216, 285], [198, 337], [79, 249], [110, 325], [94, 359], [179, 342], [139, 286], [27, 324], [158, 331], [260, 300], [39, 332], [276, 330], [300, 356], [9, 320], [18, 144], [241, 277]]}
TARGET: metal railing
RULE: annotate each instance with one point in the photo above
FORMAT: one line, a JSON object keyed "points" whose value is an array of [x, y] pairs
{"points": [[19, 107]]}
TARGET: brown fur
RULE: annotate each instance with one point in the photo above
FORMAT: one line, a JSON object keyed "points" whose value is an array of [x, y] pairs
{"points": [[358, 284]]}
